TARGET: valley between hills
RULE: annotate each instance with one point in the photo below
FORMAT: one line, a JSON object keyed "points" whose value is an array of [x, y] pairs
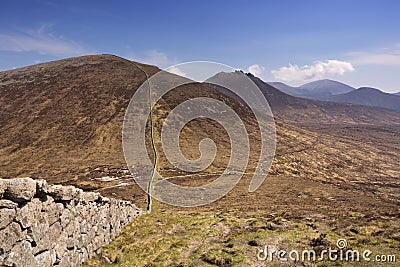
{"points": [[335, 173]]}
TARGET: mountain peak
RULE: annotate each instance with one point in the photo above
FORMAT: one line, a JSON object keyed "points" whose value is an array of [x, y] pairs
{"points": [[327, 85], [369, 89]]}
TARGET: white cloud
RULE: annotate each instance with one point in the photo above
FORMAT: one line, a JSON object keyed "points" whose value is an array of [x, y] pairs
{"points": [[318, 70], [256, 70], [41, 41], [177, 71]]}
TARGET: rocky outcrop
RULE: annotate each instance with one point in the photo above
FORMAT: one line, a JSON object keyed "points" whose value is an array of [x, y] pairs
{"points": [[54, 225]]}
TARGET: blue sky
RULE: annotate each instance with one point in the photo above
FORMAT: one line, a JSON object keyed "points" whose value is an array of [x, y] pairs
{"points": [[356, 42]]}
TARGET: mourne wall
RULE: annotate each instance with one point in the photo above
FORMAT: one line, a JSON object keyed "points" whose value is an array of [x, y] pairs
{"points": [[55, 225]]}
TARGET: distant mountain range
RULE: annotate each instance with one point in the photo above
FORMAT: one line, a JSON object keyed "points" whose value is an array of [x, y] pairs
{"points": [[368, 97], [328, 90], [314, 90]]}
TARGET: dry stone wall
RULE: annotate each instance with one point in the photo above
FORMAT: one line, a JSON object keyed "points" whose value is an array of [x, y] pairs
{"points": [[55, 225]]}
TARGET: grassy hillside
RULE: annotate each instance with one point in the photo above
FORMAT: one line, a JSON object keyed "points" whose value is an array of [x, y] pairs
{"points": [[335, 171]]}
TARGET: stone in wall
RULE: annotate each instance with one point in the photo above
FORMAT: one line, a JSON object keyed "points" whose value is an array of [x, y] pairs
{"points": [[54, 225]]}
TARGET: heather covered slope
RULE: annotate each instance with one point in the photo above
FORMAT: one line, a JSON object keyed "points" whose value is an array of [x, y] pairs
{"points": [[65, 115], [62, 121]]}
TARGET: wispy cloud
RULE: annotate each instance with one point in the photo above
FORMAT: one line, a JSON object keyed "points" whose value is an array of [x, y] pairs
{"points": [[386, 56], [177, 71], [40, 40], [318, 70], [365, 58], [256, 70], [154, 57]]}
